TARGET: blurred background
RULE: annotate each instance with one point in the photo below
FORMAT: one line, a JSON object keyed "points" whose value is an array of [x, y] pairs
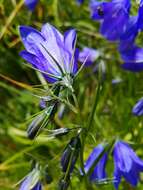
{"points": [[18, 105]]}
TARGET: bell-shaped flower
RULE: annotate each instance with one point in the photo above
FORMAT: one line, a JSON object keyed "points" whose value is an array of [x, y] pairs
{"points": [[138, 108], [88, 56], [133, 59], [31, 4], [53, 54], [126, 164], [99, 172], [114, 16], [32, 181]]}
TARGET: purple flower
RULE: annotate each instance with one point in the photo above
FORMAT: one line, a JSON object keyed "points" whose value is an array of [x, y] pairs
{"points": [[131, 54], [50, 52], [114, 16], [133, 59], [79, 1], [31, 4], [129, 34], [138, 108], [99, 170], [31, 182], [89, 55], [140, 15], [126, 164]]}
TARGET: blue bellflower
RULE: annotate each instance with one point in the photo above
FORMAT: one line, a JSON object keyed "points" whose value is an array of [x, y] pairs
{"points": [[133, 59], [50, 52], [138, 108], [31, 4], [88, 55], [99, 170], [131, 54], [113, 15], [126, 164]]}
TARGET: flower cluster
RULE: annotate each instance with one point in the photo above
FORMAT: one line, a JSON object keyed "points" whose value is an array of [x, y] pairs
{"points": [[126, 164], [56, 57], [118, 25]]}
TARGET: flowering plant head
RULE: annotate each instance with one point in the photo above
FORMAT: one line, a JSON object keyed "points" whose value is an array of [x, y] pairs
{"points": [[52, 53], [126, 164]]}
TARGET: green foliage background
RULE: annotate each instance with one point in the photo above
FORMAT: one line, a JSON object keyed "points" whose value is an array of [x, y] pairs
{"points": [[113, 117]]}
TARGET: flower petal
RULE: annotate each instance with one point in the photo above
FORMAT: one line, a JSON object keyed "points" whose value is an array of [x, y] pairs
{"points": [[88, 54], [122, 158], [134, 54], [113, 25], [131, 66], [30, 38], [93, 156], [138, 108], [31, 4], [117, 177], [69, 39], [140, 19]]}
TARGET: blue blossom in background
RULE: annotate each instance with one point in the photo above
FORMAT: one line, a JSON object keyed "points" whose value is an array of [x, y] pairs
{"points": [[89, 55], [133, 58], [99, 170], [31, 4], [99, 10], [129, 34], [79, 1], [114, 16], [140, 15], [50, 52], [138, 108], [131, 54], [126, 164]]}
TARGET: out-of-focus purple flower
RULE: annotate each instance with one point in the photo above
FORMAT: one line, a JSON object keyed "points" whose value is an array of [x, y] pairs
{"points": [[50, 52], [42, 104], [79, 1], [99, 170], [140, 15], [117, 81], [129, 34], [31, 182], [126, 164], [114, 16], [99, 10], [133, 59], [88, 54], [31, 4], [138, 108]]}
